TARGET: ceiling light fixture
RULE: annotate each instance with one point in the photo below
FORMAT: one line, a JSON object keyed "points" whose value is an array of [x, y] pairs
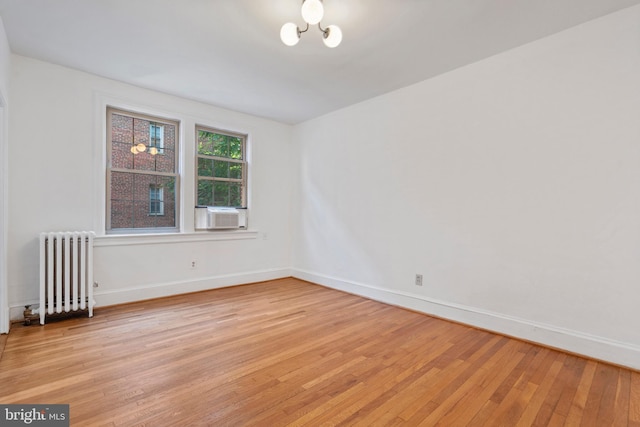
{"points": [[312, 13], [140, 147]]}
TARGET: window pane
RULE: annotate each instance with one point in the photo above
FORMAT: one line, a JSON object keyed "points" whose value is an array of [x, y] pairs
{"points": [[129, 132], [141, 184], [169, 137], [221, 169], [205, 167], [205, 143], [156, 200], [235, 194], [155, 206], [221, 145], [205, 192], [132, 201], [141, 217], [121, 156], [156, 134], [142, 159], [221, 193], [121, 213], [235, 147], [121, 128], [121, 134], [168, 186], [164, 159], [235, 170], [121, 185]]}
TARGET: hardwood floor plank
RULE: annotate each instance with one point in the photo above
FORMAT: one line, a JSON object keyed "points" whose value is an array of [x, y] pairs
{"points": [[507, 409], [472, 402], [556, 402], [289, 353], [458, 369], [607, 402], [582, 392], [634, 400], [457, 386], [574, 367], [537, 399], [600, 393], [623, 392], [515, 375]]}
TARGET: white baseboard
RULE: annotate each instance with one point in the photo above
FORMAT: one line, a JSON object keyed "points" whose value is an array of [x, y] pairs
{"points": [[157, 290], [596, 347]]}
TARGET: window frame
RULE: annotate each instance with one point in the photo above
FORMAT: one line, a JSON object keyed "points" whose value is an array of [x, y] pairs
{"points": [[176, 174], [160, 130], [157, 201], [244, 161]]}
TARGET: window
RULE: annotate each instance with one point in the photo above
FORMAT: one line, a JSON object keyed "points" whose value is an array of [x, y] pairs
{"points": [[142, 185], [156, 137], [156, 200], [222, 168]]}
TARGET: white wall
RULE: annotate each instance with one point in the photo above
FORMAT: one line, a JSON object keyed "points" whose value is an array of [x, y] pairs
{"points": [[57, 183], [512, 185], [5, 60]]}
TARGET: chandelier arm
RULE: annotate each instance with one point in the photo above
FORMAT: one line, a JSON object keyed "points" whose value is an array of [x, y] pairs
{"points": [[303, 31], [325, 31]]}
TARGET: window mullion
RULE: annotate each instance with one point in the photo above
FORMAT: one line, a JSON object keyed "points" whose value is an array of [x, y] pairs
{"points": [[141, 172], [224, 159], [214, 178]]}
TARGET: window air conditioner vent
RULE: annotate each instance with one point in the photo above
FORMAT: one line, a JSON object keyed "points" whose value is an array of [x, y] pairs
{"points": [[223, 218], [218, 218]]}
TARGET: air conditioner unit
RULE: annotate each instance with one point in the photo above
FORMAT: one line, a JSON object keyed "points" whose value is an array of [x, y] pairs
{"points": [[222, 218], [216, 218]]}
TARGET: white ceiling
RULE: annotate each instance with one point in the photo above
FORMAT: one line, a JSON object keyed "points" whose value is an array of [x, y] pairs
{"points": [[228, 52]]}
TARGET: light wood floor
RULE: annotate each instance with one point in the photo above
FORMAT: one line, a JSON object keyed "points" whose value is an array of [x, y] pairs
{"points": [[288, 352]]}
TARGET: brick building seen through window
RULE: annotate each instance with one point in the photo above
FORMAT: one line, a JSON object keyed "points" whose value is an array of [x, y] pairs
{"points": [[142, 176]]}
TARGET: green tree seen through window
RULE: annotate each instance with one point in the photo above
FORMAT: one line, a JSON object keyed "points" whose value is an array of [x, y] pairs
{"points": [[221, 168]]}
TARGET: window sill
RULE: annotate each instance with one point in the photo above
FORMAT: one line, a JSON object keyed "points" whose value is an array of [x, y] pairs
{"points": [[148, 239]]}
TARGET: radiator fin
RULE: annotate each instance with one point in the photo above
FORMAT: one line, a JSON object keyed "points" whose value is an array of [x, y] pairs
{"points": [[66, 273]]}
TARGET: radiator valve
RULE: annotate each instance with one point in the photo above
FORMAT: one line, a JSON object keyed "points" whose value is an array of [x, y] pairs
{"points": [[30, 314]]}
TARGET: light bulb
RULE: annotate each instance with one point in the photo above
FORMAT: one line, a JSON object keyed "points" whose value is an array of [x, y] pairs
{"points": [[332, 36], [153, 151], [141, 148], [289, 34], [312, 11], [134, 150]]}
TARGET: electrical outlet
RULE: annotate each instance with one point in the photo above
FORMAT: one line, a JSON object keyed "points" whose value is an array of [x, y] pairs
{"points": [[194, 264], [418, 279]]}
